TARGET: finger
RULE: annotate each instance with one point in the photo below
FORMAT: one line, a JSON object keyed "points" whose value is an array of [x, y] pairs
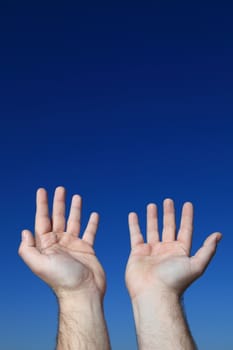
{"points": [[59, 210], [186, 226], [203, 256], [91, 229], [74, 220], [169, 225], [152, 224], [134, 230], [28, 252], [42, 220]]}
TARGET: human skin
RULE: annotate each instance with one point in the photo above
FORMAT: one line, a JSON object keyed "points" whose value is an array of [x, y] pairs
{"points": [[68, 264], [159, 271]]}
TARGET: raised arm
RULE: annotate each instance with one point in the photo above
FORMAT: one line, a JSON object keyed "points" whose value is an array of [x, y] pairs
{"points": [[159, 271], [67, 263]]}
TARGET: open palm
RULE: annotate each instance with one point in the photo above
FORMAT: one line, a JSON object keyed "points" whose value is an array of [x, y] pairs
{"points": [[166, 264], [57, 254]]}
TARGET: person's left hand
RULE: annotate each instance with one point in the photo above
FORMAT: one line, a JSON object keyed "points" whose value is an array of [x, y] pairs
{"points": [[165, 265]]}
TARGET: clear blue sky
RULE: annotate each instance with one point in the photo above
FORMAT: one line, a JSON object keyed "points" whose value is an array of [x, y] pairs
{"points": [[125, 104]]}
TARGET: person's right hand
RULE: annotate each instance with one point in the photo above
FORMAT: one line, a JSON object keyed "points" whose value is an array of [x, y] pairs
{"points": [[57, 254], [166, 265]]}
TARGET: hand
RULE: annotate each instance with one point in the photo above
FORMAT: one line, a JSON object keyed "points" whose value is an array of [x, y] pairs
{"points": [[66, 262], [166, 265]]}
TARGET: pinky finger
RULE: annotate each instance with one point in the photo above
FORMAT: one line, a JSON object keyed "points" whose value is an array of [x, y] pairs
{"points": [[91, 229]]}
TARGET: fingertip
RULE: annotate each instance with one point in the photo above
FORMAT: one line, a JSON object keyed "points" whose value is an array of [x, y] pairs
{"points": [[214, 238], [24, 235], [132, 215], [77, 197], [95, 215], [151, 206], [132, 218], [60, 189], [168, 200], [41, 190], [27, 238], [168, 203], [41, 196], [188, 202], [218, 237]]}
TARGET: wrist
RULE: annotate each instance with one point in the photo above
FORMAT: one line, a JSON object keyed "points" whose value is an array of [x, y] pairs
{"points": [[85, 293], [156, 295], [156, 300], [72, 300]]}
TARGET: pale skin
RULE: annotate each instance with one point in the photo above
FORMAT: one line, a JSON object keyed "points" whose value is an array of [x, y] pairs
{"points": [[159, 271], [68, 264]]}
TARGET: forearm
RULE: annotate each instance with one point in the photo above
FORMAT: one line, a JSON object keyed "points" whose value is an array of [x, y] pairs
{"points": [[81, 324], [160, 323]]}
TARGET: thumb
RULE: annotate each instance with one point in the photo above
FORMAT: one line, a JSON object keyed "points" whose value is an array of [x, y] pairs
{"points": [[28, 252], [27, 238], [203, 256]]}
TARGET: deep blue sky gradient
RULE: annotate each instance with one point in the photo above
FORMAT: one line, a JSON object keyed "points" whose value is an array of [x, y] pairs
{"points": [[124, 103]]}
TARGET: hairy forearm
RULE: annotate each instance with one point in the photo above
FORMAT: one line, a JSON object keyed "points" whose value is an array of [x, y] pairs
{"points": [[81, 324], [160, 323]]}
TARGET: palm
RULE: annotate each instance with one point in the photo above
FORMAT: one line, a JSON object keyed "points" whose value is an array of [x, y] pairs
{"points": [[158, 265], [166, 263], [72, 264], [62, 259]]}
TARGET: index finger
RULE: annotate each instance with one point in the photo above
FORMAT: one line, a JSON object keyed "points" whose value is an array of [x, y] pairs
{"points": [[186, 226], [136, 237]]}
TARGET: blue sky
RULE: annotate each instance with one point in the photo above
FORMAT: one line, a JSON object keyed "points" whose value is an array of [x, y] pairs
{"points": [[125, 104]]}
